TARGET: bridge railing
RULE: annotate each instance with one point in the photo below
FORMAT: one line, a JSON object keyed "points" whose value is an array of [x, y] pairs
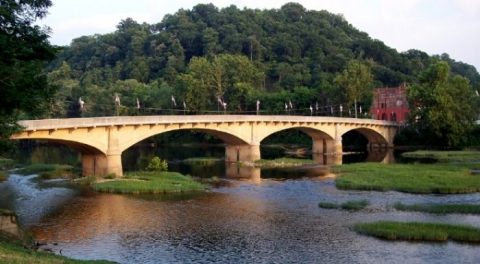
{"points": [[292, 112]]}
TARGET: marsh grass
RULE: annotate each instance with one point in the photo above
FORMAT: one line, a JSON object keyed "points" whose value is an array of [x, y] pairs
{"points": [[205, 161], [48, 171], [328, 205], [150, 183], [410, 178], [445, 156], [414, 231], [355, 205], [440, 208], [282, 162], [352, 205]]}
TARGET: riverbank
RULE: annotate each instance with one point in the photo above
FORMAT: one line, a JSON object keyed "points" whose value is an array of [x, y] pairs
{"points": [[149, 183], [409, 178], [14, 252], [414, 231]]}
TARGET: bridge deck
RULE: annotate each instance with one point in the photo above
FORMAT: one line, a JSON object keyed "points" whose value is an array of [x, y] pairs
{"points": [[30, 125]]}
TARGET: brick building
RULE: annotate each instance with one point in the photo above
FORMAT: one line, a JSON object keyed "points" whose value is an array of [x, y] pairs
{"points": [[390, 103]]}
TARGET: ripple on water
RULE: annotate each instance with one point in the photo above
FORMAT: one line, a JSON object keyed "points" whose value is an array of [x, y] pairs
{"points": [[262, 221]]}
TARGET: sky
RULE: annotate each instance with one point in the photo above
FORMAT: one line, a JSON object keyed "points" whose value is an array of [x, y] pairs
{"points": [[433, 26]]}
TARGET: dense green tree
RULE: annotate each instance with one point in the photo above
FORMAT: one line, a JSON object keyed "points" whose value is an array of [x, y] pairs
{"points": [[227, 78], [24, 49], [442, 106], [356, 80], [293, 48]]}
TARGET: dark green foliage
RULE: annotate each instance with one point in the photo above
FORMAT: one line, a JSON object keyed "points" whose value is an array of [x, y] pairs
{"points": [[157, 164], [24, 50], [273, 56], [443, 106], [415, 231]]}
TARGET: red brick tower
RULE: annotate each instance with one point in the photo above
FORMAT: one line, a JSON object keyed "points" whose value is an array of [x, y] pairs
{"points": [[390, 103]]}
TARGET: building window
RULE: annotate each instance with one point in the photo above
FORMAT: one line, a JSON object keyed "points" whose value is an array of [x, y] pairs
{"points": [[384, 116]]}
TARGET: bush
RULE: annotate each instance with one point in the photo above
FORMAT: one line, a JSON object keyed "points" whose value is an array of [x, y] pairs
{"points": [[157, 164]]}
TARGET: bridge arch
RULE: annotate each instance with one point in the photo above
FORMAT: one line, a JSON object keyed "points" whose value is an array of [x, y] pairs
{"points": [[227, 137], [314, 133], [374, 137]]}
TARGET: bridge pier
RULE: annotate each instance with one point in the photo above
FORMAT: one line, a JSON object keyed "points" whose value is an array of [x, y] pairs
{"points": [[327, 146], [114, 164], [94, 165], [236, 153], [100, 165]]}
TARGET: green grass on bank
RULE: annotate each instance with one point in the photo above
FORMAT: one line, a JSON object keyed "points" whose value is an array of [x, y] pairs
{"points": [[282, 162], [353, 205], [205, 161], [15, 253], [150, 183], [48, 171], [414, 231], [410, 178], [445, 156], [440, 208]]}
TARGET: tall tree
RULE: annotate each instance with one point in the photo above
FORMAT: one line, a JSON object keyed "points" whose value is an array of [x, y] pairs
{"points": [[24, 49], [357, 80], [443, 106]]}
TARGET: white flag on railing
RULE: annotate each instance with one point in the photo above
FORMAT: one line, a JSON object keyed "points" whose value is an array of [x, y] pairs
{"points": [[174, 102], [117, 100], [81, 103]]}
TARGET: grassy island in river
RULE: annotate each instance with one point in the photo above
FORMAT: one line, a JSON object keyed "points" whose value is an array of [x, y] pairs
{"points": [[410, 178], [445, 156], [414, 231], [150, 182]]}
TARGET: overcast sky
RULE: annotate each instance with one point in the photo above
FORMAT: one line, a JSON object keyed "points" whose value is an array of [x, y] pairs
{"points": [[434, 26]]}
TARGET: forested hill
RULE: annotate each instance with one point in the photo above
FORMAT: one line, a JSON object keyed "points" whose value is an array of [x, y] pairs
{"points": [[237, 55]]}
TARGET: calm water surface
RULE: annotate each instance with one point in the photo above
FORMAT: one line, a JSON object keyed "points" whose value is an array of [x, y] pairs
{"points": [[261, 219]]}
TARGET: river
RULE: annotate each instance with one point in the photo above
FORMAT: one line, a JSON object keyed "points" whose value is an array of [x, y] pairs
{"points": [[270, 218]]}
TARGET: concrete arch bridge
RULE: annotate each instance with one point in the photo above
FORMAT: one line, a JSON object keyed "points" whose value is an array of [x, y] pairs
{"points": [[101, 140]]}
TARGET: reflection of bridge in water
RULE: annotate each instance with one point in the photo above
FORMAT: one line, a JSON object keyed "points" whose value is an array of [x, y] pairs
{"points": [[102, 140], [320, 168]]}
